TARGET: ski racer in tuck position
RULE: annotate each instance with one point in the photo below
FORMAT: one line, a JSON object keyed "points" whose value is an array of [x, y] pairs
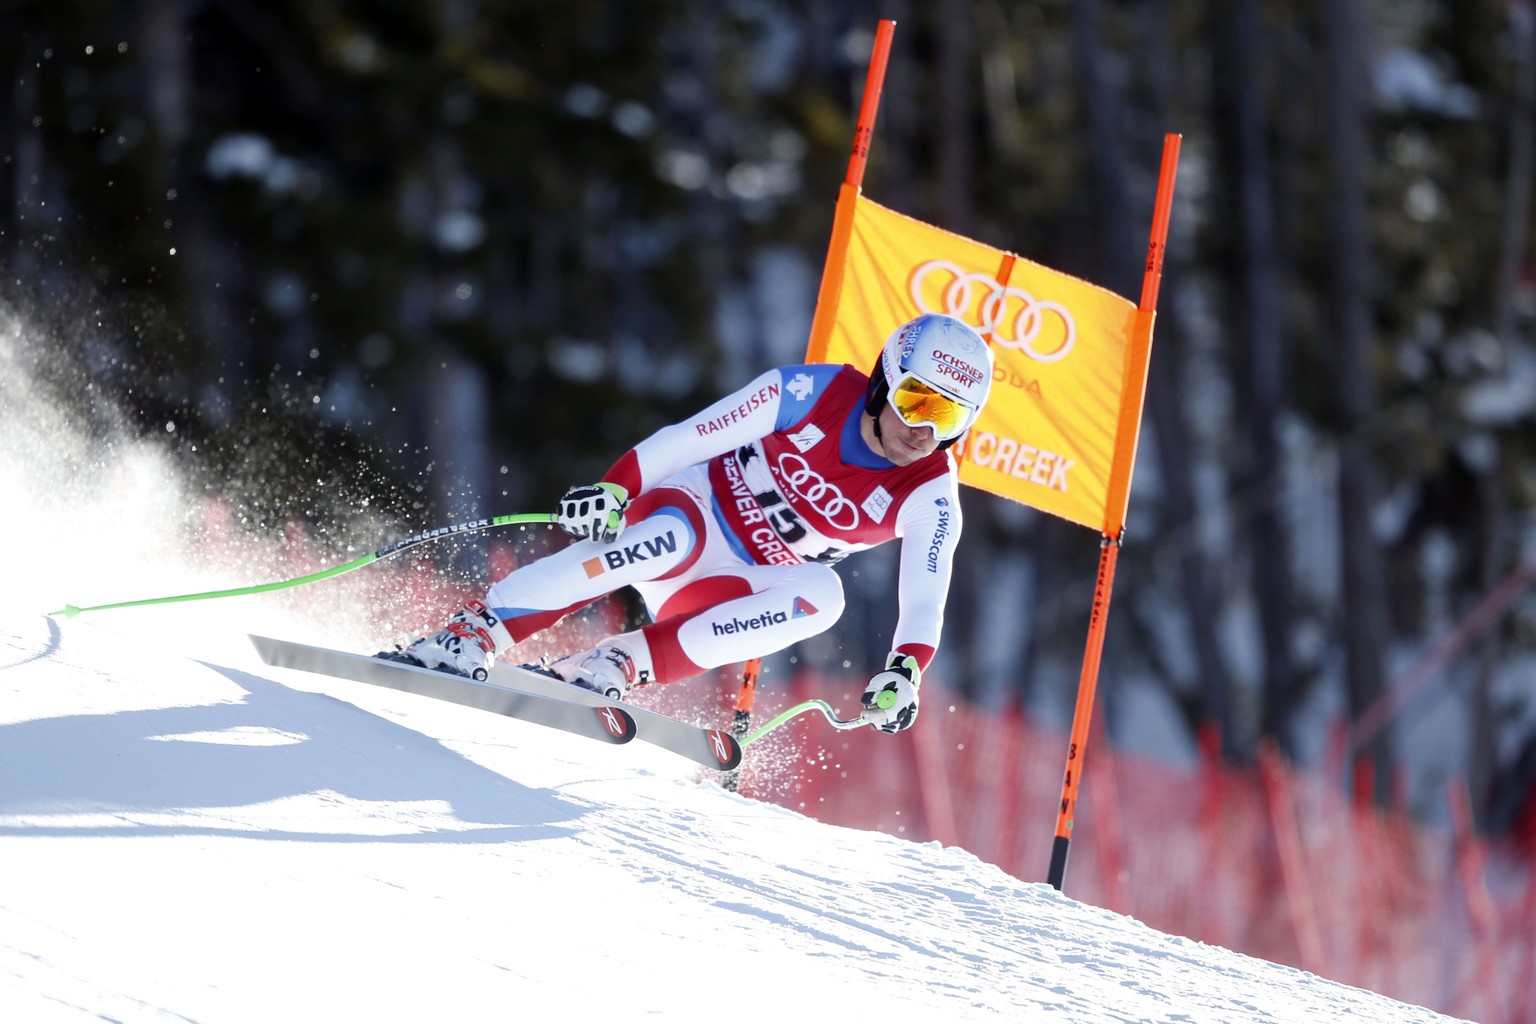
{"points": [[728, 523]]}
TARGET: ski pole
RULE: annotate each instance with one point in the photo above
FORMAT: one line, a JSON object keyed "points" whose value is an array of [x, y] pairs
{"points": [[810, 705], [69, 611]]}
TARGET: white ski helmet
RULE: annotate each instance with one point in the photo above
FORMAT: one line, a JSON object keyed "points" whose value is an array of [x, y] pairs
{"points": [[933, 371]]}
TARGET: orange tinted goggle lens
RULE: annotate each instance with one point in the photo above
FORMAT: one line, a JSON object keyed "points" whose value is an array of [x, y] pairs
{"points": [[920, 405]]}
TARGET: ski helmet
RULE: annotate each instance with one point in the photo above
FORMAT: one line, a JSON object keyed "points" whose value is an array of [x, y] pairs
{"points": [[934, 371]]}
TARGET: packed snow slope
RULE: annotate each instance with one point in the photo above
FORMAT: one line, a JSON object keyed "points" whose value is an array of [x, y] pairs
{"points": [[188, 835]]}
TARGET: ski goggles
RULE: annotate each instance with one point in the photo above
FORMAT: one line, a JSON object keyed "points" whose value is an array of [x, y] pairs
{"points": [[919, 405]]}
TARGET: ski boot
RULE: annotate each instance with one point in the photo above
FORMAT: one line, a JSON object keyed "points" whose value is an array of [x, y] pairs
{"points": [[611, 669], [467, 646]]}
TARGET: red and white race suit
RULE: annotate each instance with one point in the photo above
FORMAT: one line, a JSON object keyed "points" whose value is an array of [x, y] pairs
{"points": [[740, 513]]}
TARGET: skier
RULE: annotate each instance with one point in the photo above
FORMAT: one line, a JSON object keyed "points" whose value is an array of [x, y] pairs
{"points": [[728, 523]]}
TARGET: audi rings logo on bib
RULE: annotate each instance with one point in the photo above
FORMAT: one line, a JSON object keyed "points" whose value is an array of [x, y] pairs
{"points": [[1042, 329], [825, 498]]}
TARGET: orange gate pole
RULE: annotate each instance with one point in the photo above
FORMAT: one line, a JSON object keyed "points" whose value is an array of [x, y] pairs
{"points": [[831, 291], [1134, 396], [832, 277]]}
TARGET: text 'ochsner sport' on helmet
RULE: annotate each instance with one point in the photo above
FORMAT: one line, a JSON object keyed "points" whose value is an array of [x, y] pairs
{"points": [[937, 372]]}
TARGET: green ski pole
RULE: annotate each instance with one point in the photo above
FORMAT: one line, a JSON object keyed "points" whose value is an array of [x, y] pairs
{"points": [[814, 705], [69, 611]]}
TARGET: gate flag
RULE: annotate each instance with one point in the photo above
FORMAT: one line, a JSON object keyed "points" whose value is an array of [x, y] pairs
{"points": [[1052, 430], [1059, 432]]}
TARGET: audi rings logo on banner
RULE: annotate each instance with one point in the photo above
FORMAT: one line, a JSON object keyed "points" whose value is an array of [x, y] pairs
{"points": [[1013, 317], [820, 495]]}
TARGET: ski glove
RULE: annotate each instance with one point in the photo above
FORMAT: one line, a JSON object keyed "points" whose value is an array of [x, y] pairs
{"points": [[890, 699], [595, 511]]}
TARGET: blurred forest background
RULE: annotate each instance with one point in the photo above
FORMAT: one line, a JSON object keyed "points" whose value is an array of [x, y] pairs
{"points": [[445, 258]]}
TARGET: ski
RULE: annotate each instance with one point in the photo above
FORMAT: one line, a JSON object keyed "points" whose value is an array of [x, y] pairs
{"points": [[712, 748], [517, 693], [610, 724]]}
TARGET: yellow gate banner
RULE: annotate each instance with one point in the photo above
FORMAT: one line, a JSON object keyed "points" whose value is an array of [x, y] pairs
{"points": [[1051, 431]]}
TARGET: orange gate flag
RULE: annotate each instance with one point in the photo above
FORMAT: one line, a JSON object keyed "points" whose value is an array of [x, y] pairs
{"points": [[1051, 433]]}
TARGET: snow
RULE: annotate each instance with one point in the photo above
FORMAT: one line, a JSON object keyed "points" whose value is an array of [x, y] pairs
{"points": [[189, 835], [204, 838]]}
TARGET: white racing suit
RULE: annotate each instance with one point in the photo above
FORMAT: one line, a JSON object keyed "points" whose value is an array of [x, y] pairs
{"points": [[735, 519]]}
